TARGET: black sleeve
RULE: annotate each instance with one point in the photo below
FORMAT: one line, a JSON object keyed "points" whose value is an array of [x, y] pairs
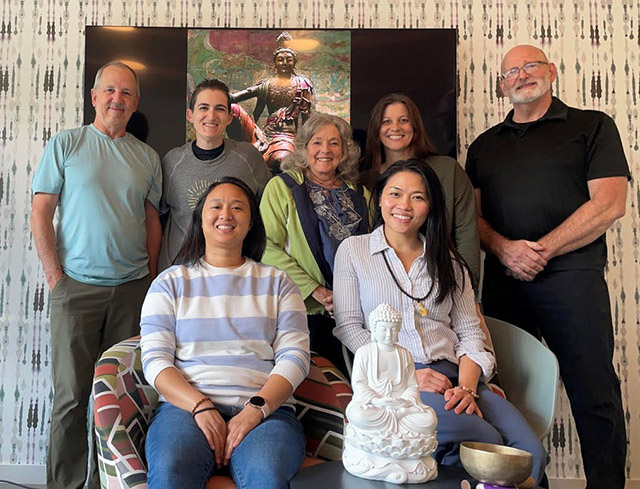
{"points": [[470, 166], [605, 153]]}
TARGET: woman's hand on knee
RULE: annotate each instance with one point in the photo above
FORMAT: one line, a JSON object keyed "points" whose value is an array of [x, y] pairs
{"points": [[431, 381], [238, 427], [461, 402], [215, 430]]}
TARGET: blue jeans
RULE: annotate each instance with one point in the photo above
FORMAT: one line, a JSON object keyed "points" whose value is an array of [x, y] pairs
{"points": [[501, 424], [178, 455]]}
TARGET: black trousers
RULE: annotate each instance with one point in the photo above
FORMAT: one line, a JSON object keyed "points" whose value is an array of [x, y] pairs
{"points": [[571, 311], [324, 343]]}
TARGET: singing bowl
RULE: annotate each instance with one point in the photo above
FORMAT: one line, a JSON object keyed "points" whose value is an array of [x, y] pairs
{"points": [[496, 464]]}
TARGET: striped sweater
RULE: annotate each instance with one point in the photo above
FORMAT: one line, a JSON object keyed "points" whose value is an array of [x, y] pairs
{"points": [[225, 330]]}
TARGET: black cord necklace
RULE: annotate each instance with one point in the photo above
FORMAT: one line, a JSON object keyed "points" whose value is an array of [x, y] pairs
{"points": [[421, 309]]}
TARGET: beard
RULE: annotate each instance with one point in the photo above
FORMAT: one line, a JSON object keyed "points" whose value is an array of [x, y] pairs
{"points": [[530, 94]]}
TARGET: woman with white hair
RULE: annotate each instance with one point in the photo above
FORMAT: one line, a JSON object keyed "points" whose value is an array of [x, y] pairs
{"points": [[308, 210]]}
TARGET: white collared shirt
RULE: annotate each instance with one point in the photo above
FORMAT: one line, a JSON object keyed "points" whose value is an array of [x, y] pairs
{"points": [[362, 281]]}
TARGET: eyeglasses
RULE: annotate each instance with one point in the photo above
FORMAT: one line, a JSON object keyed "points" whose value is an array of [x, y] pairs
{"points": [[530, 69]]}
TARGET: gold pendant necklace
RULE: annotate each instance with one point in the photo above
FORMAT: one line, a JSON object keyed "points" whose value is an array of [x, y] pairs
{"points": [[421, 309]]}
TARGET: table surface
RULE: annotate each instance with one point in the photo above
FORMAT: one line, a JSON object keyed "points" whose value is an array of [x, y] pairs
{"points": [[332, 475]]}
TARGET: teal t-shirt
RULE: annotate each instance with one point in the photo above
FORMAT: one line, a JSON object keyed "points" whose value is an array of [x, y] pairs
{"points": [[102, 185]]}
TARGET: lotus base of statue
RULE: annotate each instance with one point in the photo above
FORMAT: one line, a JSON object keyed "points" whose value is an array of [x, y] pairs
{"points": [[363, 464]]}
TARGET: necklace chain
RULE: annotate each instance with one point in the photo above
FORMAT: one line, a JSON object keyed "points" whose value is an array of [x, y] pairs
{"points": [[335, 182], [417, 299]]}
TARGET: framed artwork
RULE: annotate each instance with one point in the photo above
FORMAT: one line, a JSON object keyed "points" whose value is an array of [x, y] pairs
{"points": [[277, 77]]}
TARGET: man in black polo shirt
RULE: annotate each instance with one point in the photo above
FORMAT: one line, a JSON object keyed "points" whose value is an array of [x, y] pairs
{"points": [[549, 181]]}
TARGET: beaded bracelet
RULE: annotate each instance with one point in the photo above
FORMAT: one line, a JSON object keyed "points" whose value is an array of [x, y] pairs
{"points": [[209, 408], [468, 391], [204, 399]]}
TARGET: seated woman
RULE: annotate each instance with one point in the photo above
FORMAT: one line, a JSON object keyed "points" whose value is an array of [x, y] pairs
{"points": [[308, 210], [225, 343], [409, 262], [386, 400]]}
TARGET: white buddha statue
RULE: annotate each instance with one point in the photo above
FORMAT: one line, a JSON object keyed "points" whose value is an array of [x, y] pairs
{"points": [[391, 433]]}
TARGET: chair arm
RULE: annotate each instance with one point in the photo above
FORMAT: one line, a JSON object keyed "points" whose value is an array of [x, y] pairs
{"points": [[123, 405], [321, 400]]}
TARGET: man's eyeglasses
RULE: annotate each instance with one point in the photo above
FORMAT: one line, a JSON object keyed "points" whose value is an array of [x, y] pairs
{"points": [[530, 69]]}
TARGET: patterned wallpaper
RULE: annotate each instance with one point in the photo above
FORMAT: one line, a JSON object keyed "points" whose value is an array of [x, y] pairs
{"points": [[595, 43]]}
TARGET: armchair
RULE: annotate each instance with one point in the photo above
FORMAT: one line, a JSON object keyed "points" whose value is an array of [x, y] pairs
{"points": [[124, 403]]}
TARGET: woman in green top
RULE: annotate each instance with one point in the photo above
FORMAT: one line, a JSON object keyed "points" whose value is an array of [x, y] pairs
{"points": [[307, 211], [395, 133]]}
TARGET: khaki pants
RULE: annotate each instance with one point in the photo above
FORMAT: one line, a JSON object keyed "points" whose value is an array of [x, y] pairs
{"points": [[85, 321]]}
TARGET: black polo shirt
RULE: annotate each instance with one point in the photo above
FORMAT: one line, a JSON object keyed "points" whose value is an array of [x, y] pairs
{"points": [[533, 176]]}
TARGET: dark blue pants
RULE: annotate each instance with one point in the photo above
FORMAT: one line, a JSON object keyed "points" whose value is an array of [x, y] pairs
{"points": [[324, 343], [571, 311], [501, 424]]}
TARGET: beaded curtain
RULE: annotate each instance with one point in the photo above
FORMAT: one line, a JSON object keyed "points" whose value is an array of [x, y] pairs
{"points": [[595, 44]]}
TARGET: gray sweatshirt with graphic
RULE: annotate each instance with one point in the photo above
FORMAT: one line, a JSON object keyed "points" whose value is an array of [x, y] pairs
{"points": [[185, 177]]}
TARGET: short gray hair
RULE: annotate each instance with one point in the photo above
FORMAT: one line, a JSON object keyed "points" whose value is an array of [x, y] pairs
{"points": [[117, 64], [347, 170]]}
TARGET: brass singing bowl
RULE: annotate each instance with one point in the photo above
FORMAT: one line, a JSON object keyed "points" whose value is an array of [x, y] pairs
{"points": [[496, 464]]}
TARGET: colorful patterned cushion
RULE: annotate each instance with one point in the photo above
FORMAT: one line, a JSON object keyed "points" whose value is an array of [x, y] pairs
{"points": [[124, 403], [321, 401]]}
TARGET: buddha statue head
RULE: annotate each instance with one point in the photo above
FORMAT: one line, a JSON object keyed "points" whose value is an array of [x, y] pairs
{"points": [[385, 324]]}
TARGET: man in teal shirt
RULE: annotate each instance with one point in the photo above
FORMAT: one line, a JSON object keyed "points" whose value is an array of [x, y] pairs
{"points": [[100, 258]]}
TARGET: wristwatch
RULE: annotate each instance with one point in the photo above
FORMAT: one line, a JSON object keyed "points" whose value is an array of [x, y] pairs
{"points": [[258, 402]]}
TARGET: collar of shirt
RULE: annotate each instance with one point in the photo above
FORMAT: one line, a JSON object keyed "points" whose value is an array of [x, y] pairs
{"points": [[207, 154], [556, 111], [378, 243]]}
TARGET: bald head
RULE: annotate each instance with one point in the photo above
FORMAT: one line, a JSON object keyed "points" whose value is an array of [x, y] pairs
{"points": [[527, 76], [519, 55]]}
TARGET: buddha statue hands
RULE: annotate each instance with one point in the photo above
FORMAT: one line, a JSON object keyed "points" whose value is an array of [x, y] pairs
{"points": [[391, 402], [391, 433]]}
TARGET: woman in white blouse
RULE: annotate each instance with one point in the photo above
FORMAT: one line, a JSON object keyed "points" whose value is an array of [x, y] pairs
{"points": [[409, 261]]}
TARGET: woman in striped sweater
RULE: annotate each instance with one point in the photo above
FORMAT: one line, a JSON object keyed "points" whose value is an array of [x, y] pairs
{"points": [[409, 262], [225, 343]]}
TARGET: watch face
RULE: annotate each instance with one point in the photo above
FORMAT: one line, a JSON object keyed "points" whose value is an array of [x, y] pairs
{"points": [[257, 401]]}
